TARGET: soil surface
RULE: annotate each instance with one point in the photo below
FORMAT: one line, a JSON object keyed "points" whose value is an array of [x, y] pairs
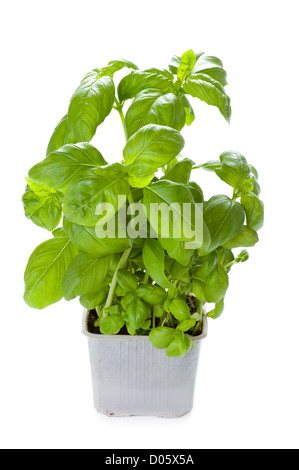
{"points": [[93, 316]]}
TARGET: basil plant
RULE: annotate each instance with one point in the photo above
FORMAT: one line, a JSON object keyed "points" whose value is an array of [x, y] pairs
{"points": [[139, 274]]}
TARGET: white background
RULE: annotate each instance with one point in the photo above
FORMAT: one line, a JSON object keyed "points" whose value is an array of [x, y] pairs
{"points": [[248, 381]]}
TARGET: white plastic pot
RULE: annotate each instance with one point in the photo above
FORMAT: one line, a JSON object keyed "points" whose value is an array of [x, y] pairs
{"points": [[132, 378]]}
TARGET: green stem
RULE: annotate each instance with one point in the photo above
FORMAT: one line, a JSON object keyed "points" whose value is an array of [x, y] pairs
{"points": [[122, 262], [146, 278], [119, 108]]}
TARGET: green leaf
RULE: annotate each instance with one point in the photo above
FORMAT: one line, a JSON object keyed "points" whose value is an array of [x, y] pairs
{"points": [[186, 66], [186, 325], [153, 295], [216, 285], [45, 272], [151, 148], [85, 239], [189, 112], [198, 289], [90, 105], [206, 266], [180, 345], [177, 250], [208, 65], [83, 198], [62, 135], [174, 195], [224, 219], [136, 81], [85, 275], [59, 233], [211, 66], [112, 325], [153, 107], [65, 166], [116, 65], [213, 165], [180, 172], [154, 262], [209, 90], [177, 270], [137, 311], [196, 192], [176, 62], [254, 209], [127, 281], [92, 300], [161, 337], [242, 257], [234, 168], [246, 237], [217, 311], [42, 205], [180, 310]]}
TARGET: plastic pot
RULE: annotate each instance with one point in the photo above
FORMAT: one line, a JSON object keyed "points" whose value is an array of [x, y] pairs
{"points": [[132, 378]]}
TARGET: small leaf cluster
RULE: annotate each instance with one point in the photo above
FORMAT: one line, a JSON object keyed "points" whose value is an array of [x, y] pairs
{"points": [[139, 286]]}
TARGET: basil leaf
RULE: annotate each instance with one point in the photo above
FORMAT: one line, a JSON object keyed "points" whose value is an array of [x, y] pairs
{"points": [[254, 209], [154, 262], [217, 311], [136, 81], [211, 66], [151, 148], [45, 272], [180, 345], [90, 105], [154, 107], [62, 135], [216, 285], [208, 264], [186, 66], [180, 309], [198, 289], [224, 219], [209, 90], [246, 237], [153, 295], [85, 275], [186, 325], [164, 191], [196, 192], [161, 337], [180, 172], [116, 65], [84, 197], [85, 239], [127, 281], [189, 112], [137, 311], [234, 168], [112, 325], [210, 166], [177, 250], [42, 205], [92, 300], [67, 165], [176, 62]]}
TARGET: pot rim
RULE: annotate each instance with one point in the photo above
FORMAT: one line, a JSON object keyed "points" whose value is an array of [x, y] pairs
{"points": [[203, 335]]}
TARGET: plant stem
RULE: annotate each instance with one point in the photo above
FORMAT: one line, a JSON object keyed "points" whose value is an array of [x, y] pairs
{"points": [[119, 108], [146, 278], [122, 262]]}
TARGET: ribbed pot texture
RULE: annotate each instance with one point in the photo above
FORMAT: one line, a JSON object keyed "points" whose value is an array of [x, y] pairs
{"points": [[132, 378]]}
